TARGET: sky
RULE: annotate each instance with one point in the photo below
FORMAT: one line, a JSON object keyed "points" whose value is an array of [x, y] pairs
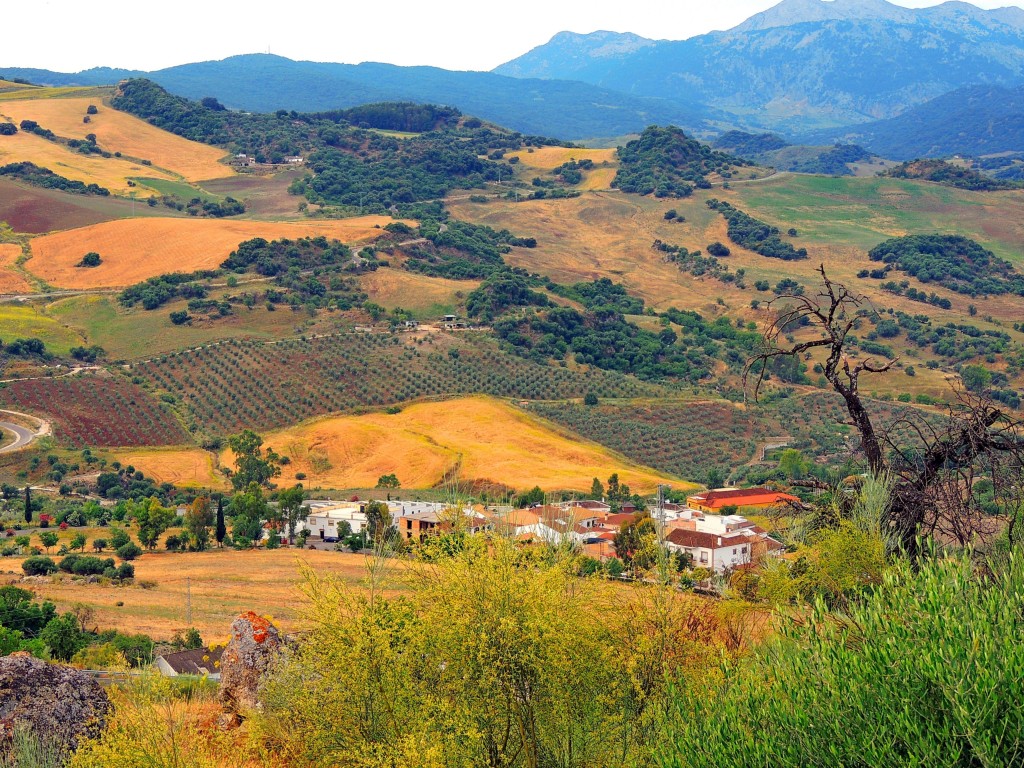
{"points": [[71, 35]]}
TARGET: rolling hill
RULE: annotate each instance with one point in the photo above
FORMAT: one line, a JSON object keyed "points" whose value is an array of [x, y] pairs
{"points": [[977, 120]]}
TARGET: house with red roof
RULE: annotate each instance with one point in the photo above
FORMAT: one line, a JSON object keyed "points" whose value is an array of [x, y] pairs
{"points": [[721, 542], [741, 498]]}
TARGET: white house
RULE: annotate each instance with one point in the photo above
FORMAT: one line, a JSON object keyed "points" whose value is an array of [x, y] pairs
{"points": [[720, 542]]}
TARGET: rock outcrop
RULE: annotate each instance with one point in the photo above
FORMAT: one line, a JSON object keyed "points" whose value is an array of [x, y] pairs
{"points": [[59, 704], [254, 643]]}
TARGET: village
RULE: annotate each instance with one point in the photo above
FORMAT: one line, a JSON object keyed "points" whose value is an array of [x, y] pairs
{"points": [[707, 529]]}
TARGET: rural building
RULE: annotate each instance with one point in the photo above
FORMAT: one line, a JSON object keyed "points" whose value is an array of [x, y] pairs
{"points": [[720, 542], [741, 498], [200, 662], [416, 526], [324, 520]]}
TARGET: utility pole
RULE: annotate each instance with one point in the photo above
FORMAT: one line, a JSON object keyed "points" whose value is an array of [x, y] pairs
{"points": [[188, 601]]}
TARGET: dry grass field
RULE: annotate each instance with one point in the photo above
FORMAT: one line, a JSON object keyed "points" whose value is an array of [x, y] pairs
{"points": [[120, 132], [224, 583], [838, 220], [184, 467], [547, 158], [480, 438], [421, 294], [112, 173], [11, 281], [135, 249], [606, 235]]}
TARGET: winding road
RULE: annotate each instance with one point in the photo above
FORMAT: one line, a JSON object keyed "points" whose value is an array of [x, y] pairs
{"points": [[23, 436]]}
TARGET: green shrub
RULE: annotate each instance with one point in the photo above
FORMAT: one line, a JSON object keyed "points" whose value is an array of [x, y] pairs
{"points": [[925, 671], [38, 566], [129, 551]]}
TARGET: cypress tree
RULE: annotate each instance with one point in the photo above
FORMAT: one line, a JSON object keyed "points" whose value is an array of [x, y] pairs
{"points": [[221, 530], [28, 506]]}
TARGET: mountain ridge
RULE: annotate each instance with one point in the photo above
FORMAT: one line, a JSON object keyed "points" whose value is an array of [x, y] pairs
{"points": [[807, 62], [265, 83]]}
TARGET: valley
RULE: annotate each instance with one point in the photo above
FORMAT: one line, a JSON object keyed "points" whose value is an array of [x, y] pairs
{"points": [[566, 414]]}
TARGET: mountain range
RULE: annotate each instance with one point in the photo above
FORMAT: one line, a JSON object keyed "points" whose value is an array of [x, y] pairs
{"points": [[847, 70], [803, 63]]}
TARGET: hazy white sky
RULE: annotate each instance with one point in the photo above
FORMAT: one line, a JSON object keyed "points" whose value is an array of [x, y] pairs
{"points": [[70, 35]]}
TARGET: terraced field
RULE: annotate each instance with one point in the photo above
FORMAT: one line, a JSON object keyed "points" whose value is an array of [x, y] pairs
{"points": [[683, 438], [95, 411]]}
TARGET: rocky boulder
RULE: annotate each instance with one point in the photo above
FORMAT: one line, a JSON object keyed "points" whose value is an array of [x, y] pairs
{"points": [[254, 644], [60, 704]]}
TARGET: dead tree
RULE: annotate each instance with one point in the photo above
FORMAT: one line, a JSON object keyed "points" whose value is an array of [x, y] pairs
{"points": [[934, 475]]}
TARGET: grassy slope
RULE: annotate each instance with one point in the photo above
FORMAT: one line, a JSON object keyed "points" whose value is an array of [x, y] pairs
{"points": [[120, 132], [481, 438]]}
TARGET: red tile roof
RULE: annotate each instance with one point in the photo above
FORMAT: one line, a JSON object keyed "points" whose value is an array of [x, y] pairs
{"points": [[742, 497]]}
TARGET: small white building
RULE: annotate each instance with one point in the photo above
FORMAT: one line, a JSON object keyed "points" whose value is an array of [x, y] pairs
{"points": [[324, 521]]}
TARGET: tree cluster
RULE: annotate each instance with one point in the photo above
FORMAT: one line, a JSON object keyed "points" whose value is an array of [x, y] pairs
{"points": [[952, 261], [30, 173], [665, 162], [755, 235]]}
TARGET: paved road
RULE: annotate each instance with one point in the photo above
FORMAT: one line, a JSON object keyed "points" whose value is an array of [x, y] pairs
{"points": [[22, 436]]}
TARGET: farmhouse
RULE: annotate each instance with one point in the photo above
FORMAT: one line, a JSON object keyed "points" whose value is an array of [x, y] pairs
{"points": [[201, 661], [741, 498], [324, 521], [720, 542], [416, 526]]}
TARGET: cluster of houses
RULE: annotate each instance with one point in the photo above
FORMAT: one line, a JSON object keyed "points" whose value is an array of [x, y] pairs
{"points": [[707, 527], [242, 160]]}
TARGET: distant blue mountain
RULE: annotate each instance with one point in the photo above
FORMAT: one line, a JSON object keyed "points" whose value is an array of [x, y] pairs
{"points": [[265, 83], [804, 62], [978, 120]]}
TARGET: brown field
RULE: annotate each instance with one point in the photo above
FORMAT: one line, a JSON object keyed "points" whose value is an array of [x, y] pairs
{"points": [[417, 293], [11, 281], [224, 583], [265, 197], [479, 438], [184, 467], [112, 173], [120, 132], [35, 211], [135, 249]]}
